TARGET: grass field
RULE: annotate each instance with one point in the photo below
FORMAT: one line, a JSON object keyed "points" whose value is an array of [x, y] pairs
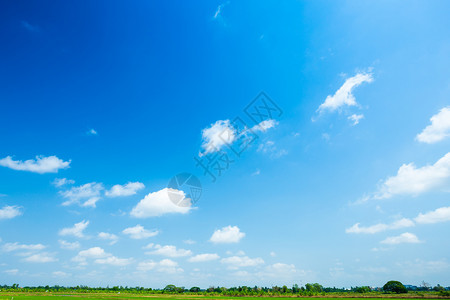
{"points": [[100, 296]]}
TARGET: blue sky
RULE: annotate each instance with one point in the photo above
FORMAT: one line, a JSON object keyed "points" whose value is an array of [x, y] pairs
{"points": [[346, 182]]}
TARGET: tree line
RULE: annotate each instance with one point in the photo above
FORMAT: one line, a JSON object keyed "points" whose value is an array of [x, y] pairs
{"points": [[309, 289]]}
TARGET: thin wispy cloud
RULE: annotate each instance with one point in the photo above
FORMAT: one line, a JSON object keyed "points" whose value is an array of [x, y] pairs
{"points": [[29, 27], [138, 232], [85, 195], [59, 182], [404, 238]]}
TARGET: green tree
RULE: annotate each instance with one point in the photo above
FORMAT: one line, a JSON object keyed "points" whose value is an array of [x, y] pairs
{"points": [[394, 287], [170, 288], [194, 289]]}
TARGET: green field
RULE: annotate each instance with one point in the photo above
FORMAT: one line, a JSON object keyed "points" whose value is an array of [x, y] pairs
{"points": [[117, 296]]}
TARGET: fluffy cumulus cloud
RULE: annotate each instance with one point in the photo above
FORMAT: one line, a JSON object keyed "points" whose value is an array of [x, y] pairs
{"points": [[437, 216], [108, 236], [162, 202], [227, 235], [438, 130], [94, 252], [76, 230], [223, 133], [402, 223], [138, 232], [344, 95], [124, 190], [41, 165], [165, 266], [85, 195], [167, 250], [411, 180], [59, 182], [68, 245], [99, 256], [235, 262], [217, 136], [404, 238], [203, 257], [9, 212]]}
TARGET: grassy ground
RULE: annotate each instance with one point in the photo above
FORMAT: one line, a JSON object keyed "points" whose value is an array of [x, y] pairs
{"points": [[105, 296]]}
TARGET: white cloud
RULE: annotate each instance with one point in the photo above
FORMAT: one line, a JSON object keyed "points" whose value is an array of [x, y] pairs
{"points": [[166, 266], [217, 14], [147, 265], [273, 254], [403, 223], [343, 95], [189, 242], [94, 253], [282, 269], [41, 165], [270, 148], [406, 237], [59, 182], [356, 118], [89, 193], [439, 215], [204, 257], [125, 190], [264, 125], [29, 27], [160, 203], [168, 250], [40, 258], [226, 235], [114, 261], [138, 232], [8, 247], [217, 136], [9, 212], [411, 180], [76, 230], [438, 130], [60, 274], [235, 262], [108, 236], [92, 131], [68, 245], [257, 172], [12, 271], [100, 257]]}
